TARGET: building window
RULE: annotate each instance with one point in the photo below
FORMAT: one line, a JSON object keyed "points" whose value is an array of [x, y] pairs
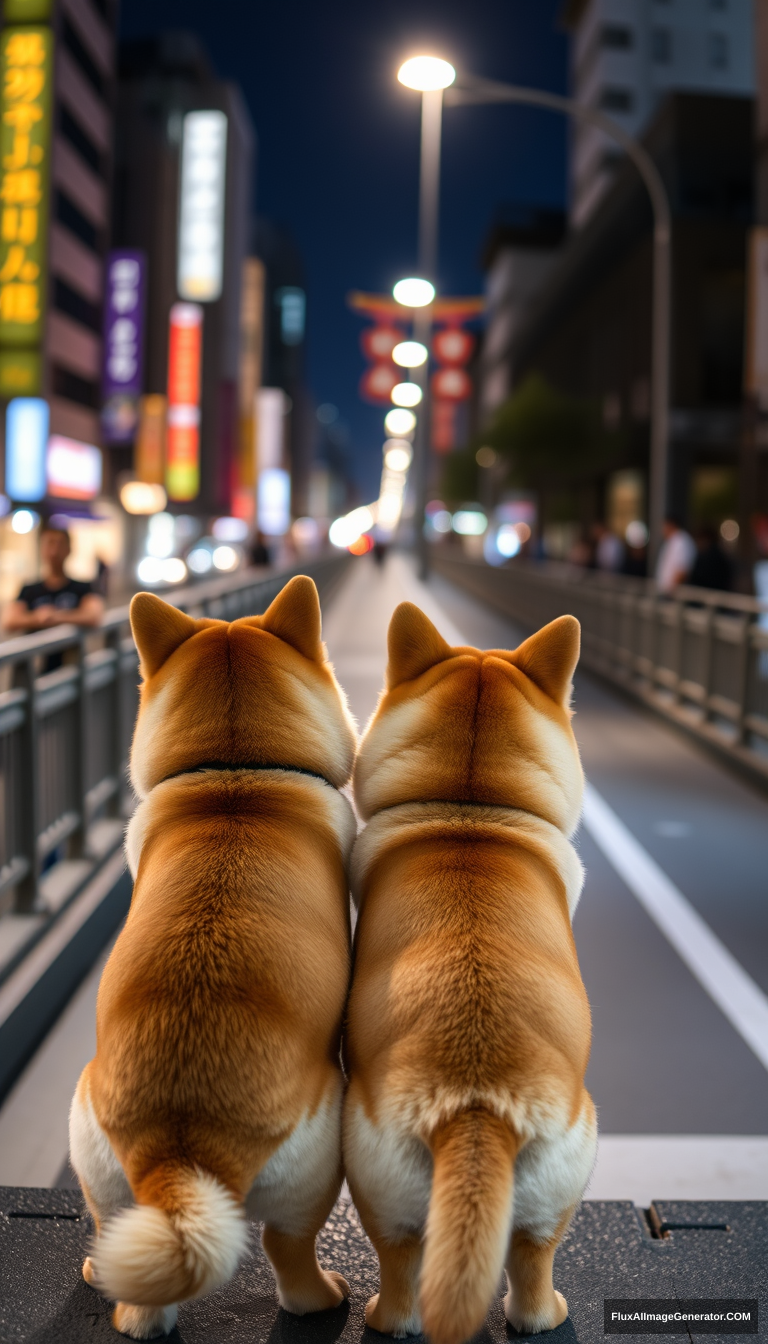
{"points": [[67, 213], [718, 51], [75, 305], [73, 132], [82, 57], [617, 37], [64, 383], [661, 45], [616, 100]]}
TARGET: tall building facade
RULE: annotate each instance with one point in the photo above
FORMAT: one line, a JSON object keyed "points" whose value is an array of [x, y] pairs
{"points": [[177, 121], [626, 55], [59, 67], [518, 254]]}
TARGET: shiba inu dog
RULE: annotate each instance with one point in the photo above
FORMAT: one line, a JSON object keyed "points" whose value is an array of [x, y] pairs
{"points": [[468, 1134], [220, 1009]]}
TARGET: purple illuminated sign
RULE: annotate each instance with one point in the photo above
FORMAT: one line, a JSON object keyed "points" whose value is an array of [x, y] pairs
{"points": [[123, 343]]}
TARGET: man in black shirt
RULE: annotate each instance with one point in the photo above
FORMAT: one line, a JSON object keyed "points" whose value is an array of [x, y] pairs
{"points": [[56, 599]]}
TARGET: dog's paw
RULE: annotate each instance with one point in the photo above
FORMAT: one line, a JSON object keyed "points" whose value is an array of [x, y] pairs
{"points": [[88, 1272], [536, 1322], [388, 1323], [329, 1292], [143, 1322]]}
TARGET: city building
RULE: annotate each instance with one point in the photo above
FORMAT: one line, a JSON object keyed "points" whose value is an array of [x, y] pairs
{"points": [[587, 329], [627, 55], [56, 180], [521, 246], [284, 340], [177, 123]]}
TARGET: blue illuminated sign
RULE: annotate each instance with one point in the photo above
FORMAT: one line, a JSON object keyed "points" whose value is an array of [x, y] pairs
{"points": [[26, 442]]}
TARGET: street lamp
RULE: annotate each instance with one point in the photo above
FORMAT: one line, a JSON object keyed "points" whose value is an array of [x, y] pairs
{"points": [[433, 77], [429, 76]]}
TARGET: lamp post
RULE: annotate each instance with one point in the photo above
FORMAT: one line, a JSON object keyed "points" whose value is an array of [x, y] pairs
{"points": [[430, 76], [473, 90]]}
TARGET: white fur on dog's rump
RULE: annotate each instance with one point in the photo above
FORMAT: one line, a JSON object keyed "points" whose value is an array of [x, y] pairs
{"points": [[148, 1257]]}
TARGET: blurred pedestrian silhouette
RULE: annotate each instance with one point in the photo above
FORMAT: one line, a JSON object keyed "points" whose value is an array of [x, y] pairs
{"points": [[676, 555], [712, 568], [260, 553]]}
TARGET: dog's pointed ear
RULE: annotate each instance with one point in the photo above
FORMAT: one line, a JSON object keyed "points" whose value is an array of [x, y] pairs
{"points": [[414, 645], [158, 629], [550, 656], [295, 617]]}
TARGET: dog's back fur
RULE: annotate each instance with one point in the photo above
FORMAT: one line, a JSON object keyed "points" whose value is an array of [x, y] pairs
{"points": [[219, 1011], [468, 1024]]}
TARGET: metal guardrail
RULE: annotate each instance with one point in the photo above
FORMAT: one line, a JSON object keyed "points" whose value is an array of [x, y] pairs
{"points": [[698, 656], [65, 736]]}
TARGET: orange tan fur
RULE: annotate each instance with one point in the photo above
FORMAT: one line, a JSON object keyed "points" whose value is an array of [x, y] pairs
{"points": [[219, 1013], [468, 1134]]}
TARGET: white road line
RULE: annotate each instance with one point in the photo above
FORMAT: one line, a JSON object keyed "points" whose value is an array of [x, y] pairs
{"points": [[716, 969]]}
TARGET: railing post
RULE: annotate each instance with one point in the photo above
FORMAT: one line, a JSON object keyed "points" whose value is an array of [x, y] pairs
{"points": [[743, 673], [26, 891], [76, 842]]}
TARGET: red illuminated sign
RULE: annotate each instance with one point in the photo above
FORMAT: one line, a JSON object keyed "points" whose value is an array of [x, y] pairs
{"points": [[451, 384], [182, 469], [452, 346]]}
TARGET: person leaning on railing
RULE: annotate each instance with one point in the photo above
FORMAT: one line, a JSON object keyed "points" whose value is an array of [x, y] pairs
{"points": [[55, 599]]}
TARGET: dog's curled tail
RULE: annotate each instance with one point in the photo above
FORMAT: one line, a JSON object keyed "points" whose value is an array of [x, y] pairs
{"points": [[468, 1224], [183, 1238]]}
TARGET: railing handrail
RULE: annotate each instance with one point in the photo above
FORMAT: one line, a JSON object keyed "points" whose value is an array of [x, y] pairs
{"points": [[630, 583], [65, 740]]}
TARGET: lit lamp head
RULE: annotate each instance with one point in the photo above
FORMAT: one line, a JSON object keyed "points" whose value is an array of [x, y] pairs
{"points": [[414, 292], [406, 394], [410, 354], [426, 74], [399, 421]]}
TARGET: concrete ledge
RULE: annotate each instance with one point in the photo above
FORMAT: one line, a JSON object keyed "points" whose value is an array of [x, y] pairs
{"points": [[35, 993]]}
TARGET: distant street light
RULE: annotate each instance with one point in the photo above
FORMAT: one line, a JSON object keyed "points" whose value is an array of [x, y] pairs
{"points": [[406, 394], [410, 354], [414, 292], [399, 422]]}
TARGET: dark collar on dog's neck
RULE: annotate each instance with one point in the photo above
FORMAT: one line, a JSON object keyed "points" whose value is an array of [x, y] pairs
{"points": [[246, 765]]}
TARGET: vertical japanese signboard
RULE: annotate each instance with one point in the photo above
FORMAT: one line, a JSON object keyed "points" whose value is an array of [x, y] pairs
{"points": [[123, 342], [26, 68], [201, 210], [182, 460]]}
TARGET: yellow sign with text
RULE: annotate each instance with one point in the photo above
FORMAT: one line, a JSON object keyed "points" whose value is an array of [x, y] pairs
{"points": [[26, 72]]}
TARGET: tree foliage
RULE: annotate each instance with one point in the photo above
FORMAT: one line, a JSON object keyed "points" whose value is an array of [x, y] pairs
{"points": [[543, 437]]}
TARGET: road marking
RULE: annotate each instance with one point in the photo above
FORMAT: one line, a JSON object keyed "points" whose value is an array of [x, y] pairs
{"points": [[716, 969], [719, 973]]}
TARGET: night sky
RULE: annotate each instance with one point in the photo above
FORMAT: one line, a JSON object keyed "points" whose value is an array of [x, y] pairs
{"points": [[338, 145]]}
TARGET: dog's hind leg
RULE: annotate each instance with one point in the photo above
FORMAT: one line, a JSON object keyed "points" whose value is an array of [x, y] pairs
{"points": [[106, 1189], [550, 1176], [390, 1175], [293, 1194], [102, 1179]]}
